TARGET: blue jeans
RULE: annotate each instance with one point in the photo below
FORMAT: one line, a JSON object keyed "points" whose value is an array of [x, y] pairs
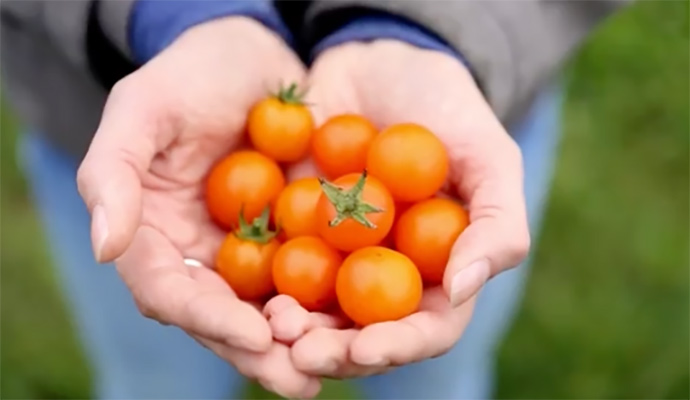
{"points": [[137, 358]]}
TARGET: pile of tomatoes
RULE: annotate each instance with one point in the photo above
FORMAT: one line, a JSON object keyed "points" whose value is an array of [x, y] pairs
{"points": [[365, 237]]}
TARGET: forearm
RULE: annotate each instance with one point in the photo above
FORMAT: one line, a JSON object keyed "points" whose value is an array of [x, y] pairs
{"points": [[512, 47]]}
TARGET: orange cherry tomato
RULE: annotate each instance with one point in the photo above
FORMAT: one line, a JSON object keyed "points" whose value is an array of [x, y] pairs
{"points": [[354, 211], [426, 233], [341, 144], [281, 126], [389, 241], [244, 181], [377, 284], [245, 259], [410, 161], [294, 212], [305, 268]]}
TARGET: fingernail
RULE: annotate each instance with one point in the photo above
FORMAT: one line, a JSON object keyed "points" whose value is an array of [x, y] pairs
{"points": [[100, 231], [328, 366], [373, 360], [468, 281]]}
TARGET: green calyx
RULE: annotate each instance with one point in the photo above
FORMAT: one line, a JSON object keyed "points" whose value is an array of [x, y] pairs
{"points": [[349, 204], [290, 95], [258, 230]]}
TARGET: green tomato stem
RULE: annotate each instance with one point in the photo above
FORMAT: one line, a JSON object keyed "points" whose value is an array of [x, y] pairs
{"points": [[258, 230], [349, 204]]}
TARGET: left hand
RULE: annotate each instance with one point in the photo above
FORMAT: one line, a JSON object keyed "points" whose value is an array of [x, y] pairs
{"points": [[391, 82]]}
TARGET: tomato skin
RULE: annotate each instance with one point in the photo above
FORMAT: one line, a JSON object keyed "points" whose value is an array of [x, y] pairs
{"points": [[294, 211], [426, 233], [245, 180], [376, 284], [351, 235], [341, 144], [305, 268], [247, 266], [410, 161], [281, 131], [400, 209]]}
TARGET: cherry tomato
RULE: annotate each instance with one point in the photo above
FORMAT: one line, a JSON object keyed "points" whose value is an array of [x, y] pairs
{"points": [[305, 268], [245, 259], [341, 144], [410, 161], [426, 233], [245, 181], [389, 241], [281, 126], [294, 213], [354, 211], [377, 284]]}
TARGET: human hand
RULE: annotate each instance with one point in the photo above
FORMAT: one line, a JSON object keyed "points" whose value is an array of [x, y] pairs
{"points": [[162, 129], [391, 82]]}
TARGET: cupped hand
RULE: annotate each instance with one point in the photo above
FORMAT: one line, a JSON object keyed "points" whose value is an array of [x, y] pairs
{"points": [[391, 82], [142, 179]]}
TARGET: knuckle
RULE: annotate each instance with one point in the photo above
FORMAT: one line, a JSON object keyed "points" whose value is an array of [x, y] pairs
{"points": [[123, 88], [83, 177], [146, 309], [517, 248], [145, 294]]}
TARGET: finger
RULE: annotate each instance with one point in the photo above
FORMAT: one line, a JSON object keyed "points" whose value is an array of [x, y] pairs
{"points": [[131, 131], [302, 169], [289, 320], [273, 369], [167, 290], [491, 180], [210, 279], [425, 334], [325, 352], [322, 351]]}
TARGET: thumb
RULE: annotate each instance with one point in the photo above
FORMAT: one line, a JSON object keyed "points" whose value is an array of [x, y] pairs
{"points": [[488, 246], [109, 178], [497, 237]]}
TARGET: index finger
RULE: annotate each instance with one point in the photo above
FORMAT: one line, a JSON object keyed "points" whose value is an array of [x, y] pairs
{"points": [[164, 290]]}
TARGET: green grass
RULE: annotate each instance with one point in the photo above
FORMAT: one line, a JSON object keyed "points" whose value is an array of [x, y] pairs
{"points": [[607, 307]]}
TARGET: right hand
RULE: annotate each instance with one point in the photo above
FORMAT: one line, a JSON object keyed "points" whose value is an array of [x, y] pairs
{"points": [[162, 129]]}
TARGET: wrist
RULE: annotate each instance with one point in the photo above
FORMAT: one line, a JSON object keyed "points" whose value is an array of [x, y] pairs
{"points": [[230, 32], [155, 24], [372, 28]]}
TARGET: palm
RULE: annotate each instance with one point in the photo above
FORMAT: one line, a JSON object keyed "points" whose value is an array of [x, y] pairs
{"points": [[173, 187], [199, 106], [390, 82]]}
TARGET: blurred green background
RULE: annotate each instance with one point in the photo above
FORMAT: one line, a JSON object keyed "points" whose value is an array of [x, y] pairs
{"points": [[607, 307]]}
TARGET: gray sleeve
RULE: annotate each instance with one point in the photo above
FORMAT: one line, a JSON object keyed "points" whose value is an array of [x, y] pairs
{"points": [[113, 16], [65, 22], [513, 47]]}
